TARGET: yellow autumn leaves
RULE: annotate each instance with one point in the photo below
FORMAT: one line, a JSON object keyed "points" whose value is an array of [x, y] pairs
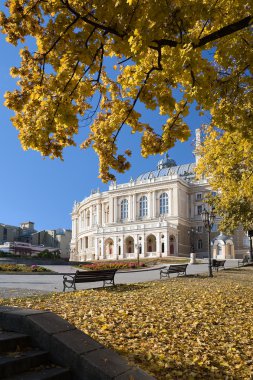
{"points": [[227, 163], [165, 53], [182, 328]]}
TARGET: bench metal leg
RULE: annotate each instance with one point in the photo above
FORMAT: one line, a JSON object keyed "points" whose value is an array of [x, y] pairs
{"points": [[72, 285]]}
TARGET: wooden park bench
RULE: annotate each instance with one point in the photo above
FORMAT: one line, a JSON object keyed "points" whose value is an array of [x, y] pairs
{"points": [[179, 269], [217, 264], [107, 276], [243, 262]]}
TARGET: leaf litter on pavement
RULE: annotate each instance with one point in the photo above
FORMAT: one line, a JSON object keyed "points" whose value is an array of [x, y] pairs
{"points": [[181, 328]]}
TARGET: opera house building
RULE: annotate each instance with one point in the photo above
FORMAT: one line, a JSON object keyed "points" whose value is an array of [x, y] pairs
{"points": [[158, 214]]}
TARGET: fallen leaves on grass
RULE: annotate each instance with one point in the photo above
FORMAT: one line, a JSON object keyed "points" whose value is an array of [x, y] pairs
{"points": [[183, 328]]}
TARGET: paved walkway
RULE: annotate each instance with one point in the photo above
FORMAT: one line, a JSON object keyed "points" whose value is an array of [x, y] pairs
{"points": [[24, 285]]}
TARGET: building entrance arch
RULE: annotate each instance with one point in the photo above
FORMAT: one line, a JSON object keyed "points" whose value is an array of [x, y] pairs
{"points": [[151, 244], [129, 246], [109, 248]]}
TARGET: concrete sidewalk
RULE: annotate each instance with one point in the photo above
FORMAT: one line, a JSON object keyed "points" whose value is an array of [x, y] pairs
{"points": [[22, 285]]}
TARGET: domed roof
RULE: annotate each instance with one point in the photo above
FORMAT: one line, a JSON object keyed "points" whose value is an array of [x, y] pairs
{"points": [[185, 171]]}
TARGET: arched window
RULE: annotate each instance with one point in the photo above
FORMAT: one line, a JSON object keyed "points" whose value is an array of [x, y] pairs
{"points": [[164, 203], [143, 206], [124, 209]]}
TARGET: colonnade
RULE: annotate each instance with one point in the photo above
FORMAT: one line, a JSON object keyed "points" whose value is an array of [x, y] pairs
{"points": [[127, 246]]}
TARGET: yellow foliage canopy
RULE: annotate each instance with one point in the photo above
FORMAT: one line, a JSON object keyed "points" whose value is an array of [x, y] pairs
{"points": [[227, 162], [199, 47]]}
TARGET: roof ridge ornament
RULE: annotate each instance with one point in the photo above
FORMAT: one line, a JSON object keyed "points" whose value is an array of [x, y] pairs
{"points": [[166, 162]]}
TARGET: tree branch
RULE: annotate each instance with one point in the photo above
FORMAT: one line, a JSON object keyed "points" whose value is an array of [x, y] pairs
{"points": [[205, 24], [32, 8], [135, 101], [60, 36], [89, 36], [125, 60], [225, 31], [107, 29]]}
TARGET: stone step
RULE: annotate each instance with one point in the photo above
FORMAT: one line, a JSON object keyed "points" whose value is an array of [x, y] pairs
{"points": [[14, 362], [11, 341], [40, 373]]}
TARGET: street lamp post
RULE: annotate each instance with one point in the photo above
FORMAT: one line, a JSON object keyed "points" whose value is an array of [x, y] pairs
{"points": [[208, 221]]}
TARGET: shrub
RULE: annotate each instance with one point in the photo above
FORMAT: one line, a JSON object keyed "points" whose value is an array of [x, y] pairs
{"points": [[49, 255]]}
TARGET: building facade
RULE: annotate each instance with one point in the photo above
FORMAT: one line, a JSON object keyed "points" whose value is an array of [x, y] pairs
{"points": [[27, 239], [22, 233], [156, 215], [59, 238]]}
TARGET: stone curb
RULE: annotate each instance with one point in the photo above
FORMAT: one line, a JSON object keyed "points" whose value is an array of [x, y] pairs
{"points": [[72, 273], [70, 347]]}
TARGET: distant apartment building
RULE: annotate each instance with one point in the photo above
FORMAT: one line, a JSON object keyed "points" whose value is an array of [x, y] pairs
{"points": [[59, 238], [25, 249]]}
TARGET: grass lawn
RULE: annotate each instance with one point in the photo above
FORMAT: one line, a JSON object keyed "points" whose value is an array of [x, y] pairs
{"points": [[181, 328]]}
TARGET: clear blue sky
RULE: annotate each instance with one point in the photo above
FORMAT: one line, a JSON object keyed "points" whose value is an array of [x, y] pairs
{"points": [[43, 190]]}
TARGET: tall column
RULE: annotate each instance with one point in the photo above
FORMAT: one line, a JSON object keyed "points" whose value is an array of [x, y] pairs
{"points": [[134, 206], [94, 215], [84, 220], [171, 208], [175, 201], [158, 244], [110, 210], [115, 248], [166, 244], [99, 211], [115, 210], [144, 244], [76, 227], [103, 213], [130, 205], [149, 205], [135, 246], [154, 204], [102, 248], [91, 216], [73, 228], [96, 248], [121, 245]]}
